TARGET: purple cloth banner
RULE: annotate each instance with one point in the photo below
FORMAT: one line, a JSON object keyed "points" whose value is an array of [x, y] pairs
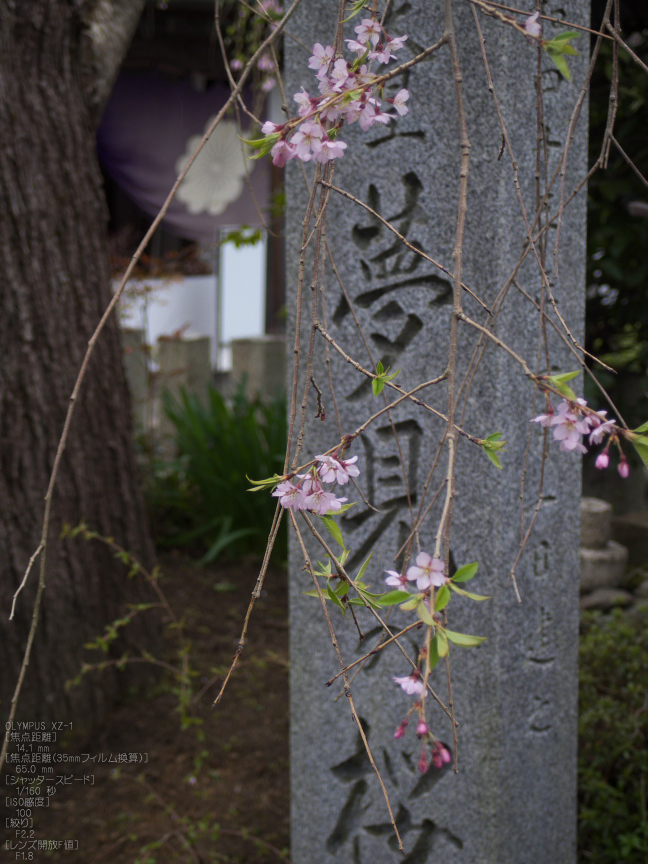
{"points": [[151, 126]]}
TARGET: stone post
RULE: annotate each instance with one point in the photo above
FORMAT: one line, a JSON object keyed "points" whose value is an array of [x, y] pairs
{"points": [[514, 798]]}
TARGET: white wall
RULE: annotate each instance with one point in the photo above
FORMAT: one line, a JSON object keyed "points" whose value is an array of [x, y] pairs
{"points": [[163, 306]]}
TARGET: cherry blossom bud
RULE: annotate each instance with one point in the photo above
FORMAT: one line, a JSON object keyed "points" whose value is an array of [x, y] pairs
{"points": [[624, 469], [236, 65], [401, 729], [602, 461], [423, 764], [422, 728]]}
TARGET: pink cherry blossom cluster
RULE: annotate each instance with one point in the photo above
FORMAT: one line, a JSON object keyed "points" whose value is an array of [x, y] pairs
{"points": [[346, 95], [573, 421], [428, 573], [306, 492]]}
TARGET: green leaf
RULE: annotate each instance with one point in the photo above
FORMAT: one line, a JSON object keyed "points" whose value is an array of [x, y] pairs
{"points": [[411, 604], [393, 597], [434, 653], [442, 643], [342, 589], [559, 382], [560, 41], [492, 442], [377, 386], [466, 573], [564, 377], [363, 569], [424, 614], [494, 458], [357, 7], [378, 383], [268, 483], [467, 593], [563, 68], [334, 530], [490, 445], [333, 596], [642, 449], [464, 639], [324, 569], [642, 428], [442, 598], [263, 145]]}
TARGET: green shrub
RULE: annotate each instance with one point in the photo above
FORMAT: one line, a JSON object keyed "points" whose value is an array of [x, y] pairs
{"points": [[200, 500], [613, 740]]}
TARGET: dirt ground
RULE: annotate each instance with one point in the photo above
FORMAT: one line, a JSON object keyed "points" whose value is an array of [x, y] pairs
{"points": [[215, 791]]}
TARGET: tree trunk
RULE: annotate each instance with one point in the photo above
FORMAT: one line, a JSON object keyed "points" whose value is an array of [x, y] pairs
{"points": [[53, 289]]}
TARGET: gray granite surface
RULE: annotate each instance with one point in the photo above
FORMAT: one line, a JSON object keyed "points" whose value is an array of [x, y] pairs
{"points": [[514, 798]]}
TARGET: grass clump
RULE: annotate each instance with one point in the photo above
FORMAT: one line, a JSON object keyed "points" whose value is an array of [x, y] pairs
{"points": [[199, 500]]}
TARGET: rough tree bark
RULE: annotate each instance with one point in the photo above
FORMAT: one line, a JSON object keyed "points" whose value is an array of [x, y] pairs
{"points": [[58, 60]]}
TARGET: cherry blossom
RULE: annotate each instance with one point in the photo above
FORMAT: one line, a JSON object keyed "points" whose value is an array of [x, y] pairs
{"points": [[411, 684], [601, 431], [397, 42], [533, 26], [398, 580], [371, 114], [340, 74], [427, 571], [321, 59], [305, 102], [368, 31], [570, 427], [306, 139], [544, 419], [327, 150], [333, 470], [322, 502], [282, 152], [358, 47], [290, 495], [383, 54], [399, 102]]}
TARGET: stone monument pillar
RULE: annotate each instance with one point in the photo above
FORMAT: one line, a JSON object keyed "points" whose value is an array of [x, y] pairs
{"points": [[514, 797]]}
